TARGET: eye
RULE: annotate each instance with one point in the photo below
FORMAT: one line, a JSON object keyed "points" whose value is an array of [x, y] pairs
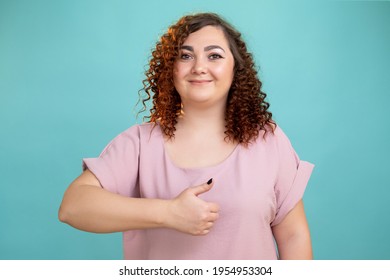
{"points": [[215, 56], [185, 56]]}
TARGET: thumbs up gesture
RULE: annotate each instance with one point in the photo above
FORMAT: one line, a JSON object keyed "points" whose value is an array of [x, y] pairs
{"points": [[190, 214]]}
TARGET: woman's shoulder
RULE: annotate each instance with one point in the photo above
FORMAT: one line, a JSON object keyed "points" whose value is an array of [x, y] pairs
{"points": [[144, 132], [140, 129], [135, 133], [272, 135]]}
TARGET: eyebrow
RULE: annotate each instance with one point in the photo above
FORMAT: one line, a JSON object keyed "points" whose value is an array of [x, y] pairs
{"points": [[208, 48]]}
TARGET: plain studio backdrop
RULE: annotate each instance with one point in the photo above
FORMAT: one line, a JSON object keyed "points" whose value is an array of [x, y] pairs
{"points": [[70, 72]]}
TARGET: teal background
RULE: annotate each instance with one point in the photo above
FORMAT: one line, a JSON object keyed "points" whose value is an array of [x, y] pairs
{"points": [[69, 76]]}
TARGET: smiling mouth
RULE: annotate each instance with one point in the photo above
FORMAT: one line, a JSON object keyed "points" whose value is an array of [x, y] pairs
{"points": [[199, 82]]}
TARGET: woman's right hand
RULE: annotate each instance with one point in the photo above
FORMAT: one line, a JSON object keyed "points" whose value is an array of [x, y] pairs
{"points": [[88, 206], [190, 214]]}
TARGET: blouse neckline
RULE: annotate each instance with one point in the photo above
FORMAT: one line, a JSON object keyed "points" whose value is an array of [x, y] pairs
{"points": [[212, 168]]}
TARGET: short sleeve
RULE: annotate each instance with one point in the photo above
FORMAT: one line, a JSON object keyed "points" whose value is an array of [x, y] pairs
{"points": [[117, 166], [292, 177]]}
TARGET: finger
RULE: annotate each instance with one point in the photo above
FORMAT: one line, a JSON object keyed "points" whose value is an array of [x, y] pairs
{"points": [[209, 225], [201, 189], [214, 207], [213, 217]]}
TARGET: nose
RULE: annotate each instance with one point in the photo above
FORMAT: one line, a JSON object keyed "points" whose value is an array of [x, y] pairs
{"points": [[199, 67]]}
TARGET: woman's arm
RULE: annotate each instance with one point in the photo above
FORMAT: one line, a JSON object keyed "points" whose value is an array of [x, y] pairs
{"points": [[89, 207], [292, 235]]}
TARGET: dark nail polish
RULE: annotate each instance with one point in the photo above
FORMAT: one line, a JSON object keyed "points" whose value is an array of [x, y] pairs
{"points": [[209, 181]]}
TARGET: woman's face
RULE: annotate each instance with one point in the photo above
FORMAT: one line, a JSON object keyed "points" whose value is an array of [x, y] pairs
{"points": [[203, 71]]}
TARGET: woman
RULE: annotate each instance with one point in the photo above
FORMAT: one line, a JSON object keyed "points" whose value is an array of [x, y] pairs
{"points": [[210, 176]]}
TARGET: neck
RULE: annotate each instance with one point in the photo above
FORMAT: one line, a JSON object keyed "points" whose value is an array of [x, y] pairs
{"points": [[206, 121]]}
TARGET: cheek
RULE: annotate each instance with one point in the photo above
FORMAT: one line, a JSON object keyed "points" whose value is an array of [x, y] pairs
{"points": [[178, 77], [225, 67], [175, 71], [224, 72], [180, 70]]}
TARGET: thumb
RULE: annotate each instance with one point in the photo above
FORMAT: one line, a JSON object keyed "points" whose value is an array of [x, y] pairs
{"points": [[202, 188]]}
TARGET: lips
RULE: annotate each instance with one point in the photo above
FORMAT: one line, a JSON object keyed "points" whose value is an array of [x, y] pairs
{"points": [[199, 82]]}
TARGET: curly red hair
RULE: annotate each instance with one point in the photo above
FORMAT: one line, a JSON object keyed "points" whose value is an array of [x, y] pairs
{"points": [[247, 111]]}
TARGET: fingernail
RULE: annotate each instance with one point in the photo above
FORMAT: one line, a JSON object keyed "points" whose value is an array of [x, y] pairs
{"points": [[209, 181]]}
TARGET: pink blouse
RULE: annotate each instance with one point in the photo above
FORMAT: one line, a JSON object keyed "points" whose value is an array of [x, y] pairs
{"points": [[255, 188]]}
